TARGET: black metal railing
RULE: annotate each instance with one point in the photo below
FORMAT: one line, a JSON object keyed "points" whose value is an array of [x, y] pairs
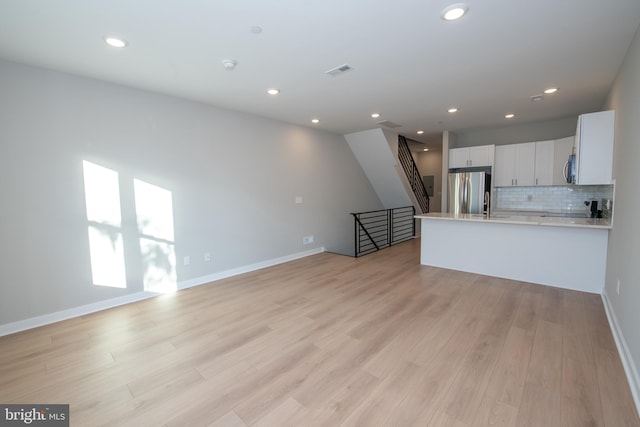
{"points": [[375, 230], [413, 175]]}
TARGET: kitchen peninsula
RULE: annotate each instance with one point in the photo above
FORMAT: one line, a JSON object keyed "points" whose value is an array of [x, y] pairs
{"points": [[569, 253]]}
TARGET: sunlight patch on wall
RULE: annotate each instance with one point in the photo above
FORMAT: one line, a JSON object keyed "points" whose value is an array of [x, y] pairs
{"points": [[102, 195], [159, 260], [154, 213]]}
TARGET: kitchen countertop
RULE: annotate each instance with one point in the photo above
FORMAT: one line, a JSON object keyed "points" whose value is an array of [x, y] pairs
{"points": [[599, 223]]}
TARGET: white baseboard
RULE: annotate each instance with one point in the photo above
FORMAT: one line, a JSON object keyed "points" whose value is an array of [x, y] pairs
{"points": [[630, 368], [246, 269], [46, 319]]}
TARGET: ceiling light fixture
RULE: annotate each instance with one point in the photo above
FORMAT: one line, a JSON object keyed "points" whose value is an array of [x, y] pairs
{"points": [[273, 91], [315, 121], [452, 110], [509, 116], [229, 64], [551, 90], [115, 42], [426, 149], [420, 132], [375, 115], [256, 29], [455, 11]]}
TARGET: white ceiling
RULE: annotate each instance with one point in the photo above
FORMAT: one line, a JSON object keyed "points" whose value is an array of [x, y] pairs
{"points": [[408, 64]]}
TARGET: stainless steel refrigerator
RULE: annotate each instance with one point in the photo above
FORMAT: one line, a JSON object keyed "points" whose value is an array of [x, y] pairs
{"points": [[469, 192]]}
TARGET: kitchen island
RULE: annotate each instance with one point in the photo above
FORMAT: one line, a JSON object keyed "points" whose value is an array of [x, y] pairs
{"points": [[569, 253]]}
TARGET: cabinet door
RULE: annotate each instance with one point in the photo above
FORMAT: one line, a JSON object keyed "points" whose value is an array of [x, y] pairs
{"points": [[459, 158], [504, 169], [525, 164], [595, 153], [544, 162], [563, 148], [481, 156]]}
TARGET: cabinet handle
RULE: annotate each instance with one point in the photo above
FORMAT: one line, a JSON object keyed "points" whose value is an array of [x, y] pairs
{"points": [[516, 181], [536, 181], [511, 181]]}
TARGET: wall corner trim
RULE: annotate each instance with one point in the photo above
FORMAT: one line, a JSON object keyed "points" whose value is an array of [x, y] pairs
{"points": [[46, 319], [629, 365]]}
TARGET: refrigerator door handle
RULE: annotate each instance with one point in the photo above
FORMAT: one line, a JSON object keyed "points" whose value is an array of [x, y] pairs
{"points": [[461, 196], [466, 195]]}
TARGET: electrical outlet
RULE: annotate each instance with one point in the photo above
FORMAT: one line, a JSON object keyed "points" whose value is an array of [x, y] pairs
{"points": [[618, 287], [187, 260], [307, 240], [207, 256]]}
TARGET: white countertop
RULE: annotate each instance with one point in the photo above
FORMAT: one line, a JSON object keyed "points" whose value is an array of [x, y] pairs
{"points": [[525, 220]]}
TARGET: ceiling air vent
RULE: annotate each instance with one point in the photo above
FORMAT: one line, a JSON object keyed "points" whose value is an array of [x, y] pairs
{"points": [[389, 124], [339, 70]]}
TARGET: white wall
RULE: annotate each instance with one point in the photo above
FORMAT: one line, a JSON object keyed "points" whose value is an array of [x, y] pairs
{"points": [[233, 178], [624, 239], [377, 152], [448, 142], [514, 134]]}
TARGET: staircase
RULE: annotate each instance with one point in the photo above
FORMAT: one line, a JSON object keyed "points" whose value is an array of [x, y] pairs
{"points": [[387, 161]]}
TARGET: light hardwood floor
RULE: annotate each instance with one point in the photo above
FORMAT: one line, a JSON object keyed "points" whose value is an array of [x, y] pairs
{"points": [[327, 341]]}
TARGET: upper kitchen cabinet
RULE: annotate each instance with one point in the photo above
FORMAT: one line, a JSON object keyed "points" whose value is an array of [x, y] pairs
{"points": [[468, 157], [594, 148], [514, 165], [545, 153]]}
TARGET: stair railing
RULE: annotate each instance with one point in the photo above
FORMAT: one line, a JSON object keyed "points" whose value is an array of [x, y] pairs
{"points": [[413, 174], [375, 230]]}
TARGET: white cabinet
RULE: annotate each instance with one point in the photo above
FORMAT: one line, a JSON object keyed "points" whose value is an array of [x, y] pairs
{"points": [[514, 165], [545, 153], [467, 157], [504, 169], [562, 151], [594, 148], [459, 158]]}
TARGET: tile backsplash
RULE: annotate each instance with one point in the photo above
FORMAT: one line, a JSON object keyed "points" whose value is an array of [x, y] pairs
{"points": [[551, 198]]}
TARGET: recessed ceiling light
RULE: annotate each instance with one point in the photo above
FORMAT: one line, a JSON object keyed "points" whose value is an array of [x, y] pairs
{"points": [[256, 29], [455, 11], [315, 121], [273, 91], [229, 64], [551, 90], [115, 42], [420, 132], [452, 110], [509, 116], [426, 149], [375, 115]]}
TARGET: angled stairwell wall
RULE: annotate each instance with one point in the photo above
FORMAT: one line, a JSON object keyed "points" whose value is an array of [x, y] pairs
{"points": [[377, 153]]}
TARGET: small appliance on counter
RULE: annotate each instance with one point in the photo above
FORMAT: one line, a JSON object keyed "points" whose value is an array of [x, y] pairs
{"points": [[593, 208], [607, 205]]}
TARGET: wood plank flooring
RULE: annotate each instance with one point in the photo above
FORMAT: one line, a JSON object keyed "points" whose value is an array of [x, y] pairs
{"points": [[332, 341]]}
